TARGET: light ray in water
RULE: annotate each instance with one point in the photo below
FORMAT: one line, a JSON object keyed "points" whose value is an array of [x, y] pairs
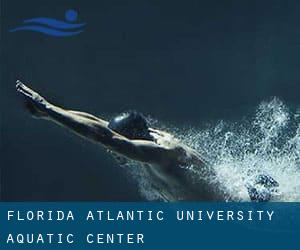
{"points": [[267, 142]]}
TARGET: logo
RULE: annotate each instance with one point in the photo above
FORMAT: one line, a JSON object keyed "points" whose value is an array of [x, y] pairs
{"points": [[53, 27]]}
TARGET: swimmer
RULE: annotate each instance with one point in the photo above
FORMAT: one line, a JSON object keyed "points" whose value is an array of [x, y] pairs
{"points": [[129, 136]]}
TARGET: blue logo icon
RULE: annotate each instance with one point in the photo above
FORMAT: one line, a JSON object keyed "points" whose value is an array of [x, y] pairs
{"points": [[53, 27]]}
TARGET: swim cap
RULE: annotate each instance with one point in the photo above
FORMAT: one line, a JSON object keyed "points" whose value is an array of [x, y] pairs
{"points": [[132, 125]]}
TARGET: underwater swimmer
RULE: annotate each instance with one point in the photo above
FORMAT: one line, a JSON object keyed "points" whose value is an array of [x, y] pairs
{"points": [[129, 135]]}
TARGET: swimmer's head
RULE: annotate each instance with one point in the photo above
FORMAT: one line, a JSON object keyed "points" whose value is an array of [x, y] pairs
{"points": [[132, 125]]}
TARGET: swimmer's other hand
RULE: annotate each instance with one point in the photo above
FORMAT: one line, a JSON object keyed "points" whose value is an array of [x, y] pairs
{"points": [[34, 103]]}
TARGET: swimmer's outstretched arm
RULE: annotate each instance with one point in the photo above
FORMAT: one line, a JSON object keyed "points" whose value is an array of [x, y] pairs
{"points": [[95, 129]]}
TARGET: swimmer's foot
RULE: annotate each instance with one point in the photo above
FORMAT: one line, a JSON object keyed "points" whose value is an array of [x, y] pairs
{"points": [[34, 103]]}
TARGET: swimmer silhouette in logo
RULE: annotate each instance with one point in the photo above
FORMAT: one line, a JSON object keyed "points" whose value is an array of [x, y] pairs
{"points": [[53, 27], [164, 156]]}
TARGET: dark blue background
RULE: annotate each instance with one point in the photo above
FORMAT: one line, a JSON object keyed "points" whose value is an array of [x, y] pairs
{"points": [[182, 62]]}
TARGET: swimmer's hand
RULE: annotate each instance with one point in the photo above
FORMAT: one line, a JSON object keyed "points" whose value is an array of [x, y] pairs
{"points": [[35, 103]]}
